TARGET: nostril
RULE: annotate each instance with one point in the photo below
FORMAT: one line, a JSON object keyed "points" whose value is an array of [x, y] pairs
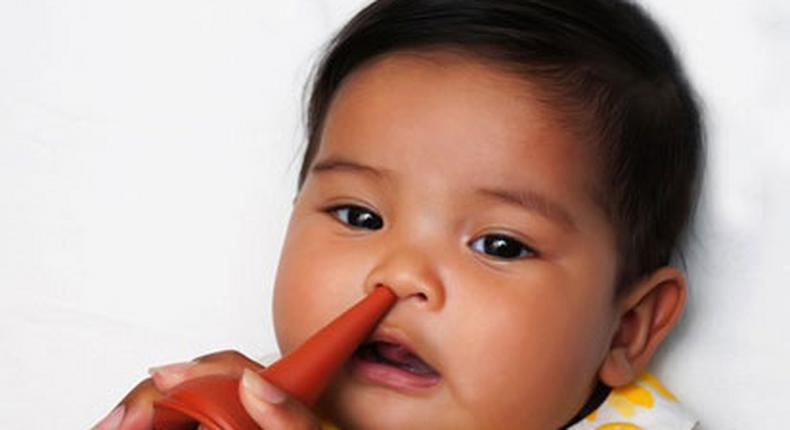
{"points": [[410, 293], [421, 296]]}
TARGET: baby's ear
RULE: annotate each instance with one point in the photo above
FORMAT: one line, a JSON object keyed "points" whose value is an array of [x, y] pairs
{"points": [[647, 313]]}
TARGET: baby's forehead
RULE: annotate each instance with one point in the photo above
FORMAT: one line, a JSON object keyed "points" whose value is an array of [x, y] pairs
{"points": [[431, 74], [445, 64], [454, 82]]}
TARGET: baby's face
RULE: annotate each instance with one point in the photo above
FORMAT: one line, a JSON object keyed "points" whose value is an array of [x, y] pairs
{"points": [[445, 180]]}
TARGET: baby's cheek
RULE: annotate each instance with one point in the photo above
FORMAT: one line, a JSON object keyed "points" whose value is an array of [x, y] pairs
{"points": [[311, 290], [520, 399], [519, 370], [294, 308]]}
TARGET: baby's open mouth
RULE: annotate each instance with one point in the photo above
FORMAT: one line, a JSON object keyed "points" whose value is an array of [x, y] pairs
{"points": [[395, 355], [394, 365]]}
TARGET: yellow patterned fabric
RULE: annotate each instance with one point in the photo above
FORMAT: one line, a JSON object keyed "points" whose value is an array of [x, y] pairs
{"points": [[645, 404]]}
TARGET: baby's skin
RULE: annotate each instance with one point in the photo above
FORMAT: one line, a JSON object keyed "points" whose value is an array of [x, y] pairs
{"points": [[456, 184]]}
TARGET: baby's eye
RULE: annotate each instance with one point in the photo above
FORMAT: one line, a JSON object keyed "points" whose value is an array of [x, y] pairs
{"points": [[502, 246], [357, 216]]}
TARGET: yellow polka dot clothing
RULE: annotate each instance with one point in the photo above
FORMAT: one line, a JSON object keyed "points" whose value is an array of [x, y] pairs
{"points": [[644, 404]]}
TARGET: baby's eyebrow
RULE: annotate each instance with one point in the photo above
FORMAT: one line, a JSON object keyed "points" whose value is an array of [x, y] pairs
{"points": [[533, 202], [343, 164], [524, 199]]}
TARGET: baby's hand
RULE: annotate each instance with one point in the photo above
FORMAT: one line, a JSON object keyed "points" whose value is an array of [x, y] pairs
{"points": [[135, 412]]}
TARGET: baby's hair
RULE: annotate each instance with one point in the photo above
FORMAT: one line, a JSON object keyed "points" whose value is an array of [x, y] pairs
{"points": [[604, 65]]}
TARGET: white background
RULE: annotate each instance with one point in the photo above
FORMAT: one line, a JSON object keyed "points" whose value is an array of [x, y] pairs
{"points": [[148, 158]]}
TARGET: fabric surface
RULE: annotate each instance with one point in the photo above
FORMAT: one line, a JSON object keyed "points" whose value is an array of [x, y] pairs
{"points": [[645, 404]]}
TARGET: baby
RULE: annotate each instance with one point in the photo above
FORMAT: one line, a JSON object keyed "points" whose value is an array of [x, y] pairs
{"points": [[519, 172]]}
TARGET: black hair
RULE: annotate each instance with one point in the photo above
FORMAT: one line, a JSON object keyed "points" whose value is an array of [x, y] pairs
{"points": [[604, 65]]}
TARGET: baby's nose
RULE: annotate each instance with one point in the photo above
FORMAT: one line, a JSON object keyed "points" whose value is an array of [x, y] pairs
{"points": [[412, 276]]}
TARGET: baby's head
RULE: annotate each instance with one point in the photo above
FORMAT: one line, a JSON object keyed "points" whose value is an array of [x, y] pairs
{"points": [[519, 173]]}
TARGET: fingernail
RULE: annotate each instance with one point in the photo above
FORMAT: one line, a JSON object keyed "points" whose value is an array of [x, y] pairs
{"points": [[165, 377], [172, 368], [113, 420], [138, 418], [261, 388]]}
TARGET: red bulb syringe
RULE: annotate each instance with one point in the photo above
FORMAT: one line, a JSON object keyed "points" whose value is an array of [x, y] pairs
{"points": [[213, 401]]}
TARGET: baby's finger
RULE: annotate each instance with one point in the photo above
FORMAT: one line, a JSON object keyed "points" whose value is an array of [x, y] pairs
{"points": [[273, 409]]}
